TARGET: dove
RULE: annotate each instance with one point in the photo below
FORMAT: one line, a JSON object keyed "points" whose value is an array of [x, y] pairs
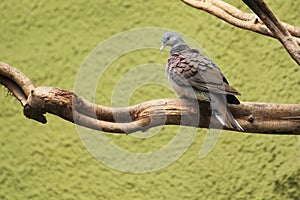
{"points": [[194, 76]]}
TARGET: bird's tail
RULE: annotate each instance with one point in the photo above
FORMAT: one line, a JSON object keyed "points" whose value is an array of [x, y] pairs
{"points": [[221, 111], [233, 123]]}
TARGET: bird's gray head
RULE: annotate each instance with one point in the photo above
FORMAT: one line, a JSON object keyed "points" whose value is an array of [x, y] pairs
{"points": [[170, 39]]}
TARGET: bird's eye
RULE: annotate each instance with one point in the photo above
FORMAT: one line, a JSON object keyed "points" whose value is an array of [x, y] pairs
{"points": [[168, 38]]}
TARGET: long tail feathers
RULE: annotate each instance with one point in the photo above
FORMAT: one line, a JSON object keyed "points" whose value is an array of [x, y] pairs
{"points": [[233, 122], [221, 111]]}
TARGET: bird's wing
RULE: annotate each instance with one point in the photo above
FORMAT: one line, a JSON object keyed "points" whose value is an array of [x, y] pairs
{"points": [[190, 69]]}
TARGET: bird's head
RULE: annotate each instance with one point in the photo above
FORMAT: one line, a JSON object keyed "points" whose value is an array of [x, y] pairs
{"points": [[170, 39]]}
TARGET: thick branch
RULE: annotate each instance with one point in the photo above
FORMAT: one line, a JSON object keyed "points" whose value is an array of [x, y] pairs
{"points": [[253, 117], [251, 22]]}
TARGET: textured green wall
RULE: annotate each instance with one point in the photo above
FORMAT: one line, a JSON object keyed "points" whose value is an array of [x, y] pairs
{"points": [[48, 41]]}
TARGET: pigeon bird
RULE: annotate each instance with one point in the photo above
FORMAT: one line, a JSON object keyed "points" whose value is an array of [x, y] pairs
{"points": [[195, 76]]}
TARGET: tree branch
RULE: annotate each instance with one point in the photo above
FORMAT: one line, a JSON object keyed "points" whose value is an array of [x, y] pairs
{"points": [[267, 23], [277, 28], [17, 82], [253, 117]]}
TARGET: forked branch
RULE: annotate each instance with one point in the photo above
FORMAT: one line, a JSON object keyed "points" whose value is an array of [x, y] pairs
{"points": [[263, 21]]}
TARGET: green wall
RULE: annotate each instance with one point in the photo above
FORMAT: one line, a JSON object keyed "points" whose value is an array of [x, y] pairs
{"points": [[49, 40]]}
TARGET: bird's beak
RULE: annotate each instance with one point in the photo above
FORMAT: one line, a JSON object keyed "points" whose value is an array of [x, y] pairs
{"points": [[162, 47]]}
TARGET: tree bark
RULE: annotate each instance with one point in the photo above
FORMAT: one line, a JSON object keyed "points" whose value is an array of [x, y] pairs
{"points": [[253, 117], [36, 101]]}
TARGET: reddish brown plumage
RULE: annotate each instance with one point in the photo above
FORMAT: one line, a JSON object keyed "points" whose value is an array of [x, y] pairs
{"points": [[200, 73]]}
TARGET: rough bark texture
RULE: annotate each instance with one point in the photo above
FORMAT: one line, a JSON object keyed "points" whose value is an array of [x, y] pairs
{"points": [[253, 117]]}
